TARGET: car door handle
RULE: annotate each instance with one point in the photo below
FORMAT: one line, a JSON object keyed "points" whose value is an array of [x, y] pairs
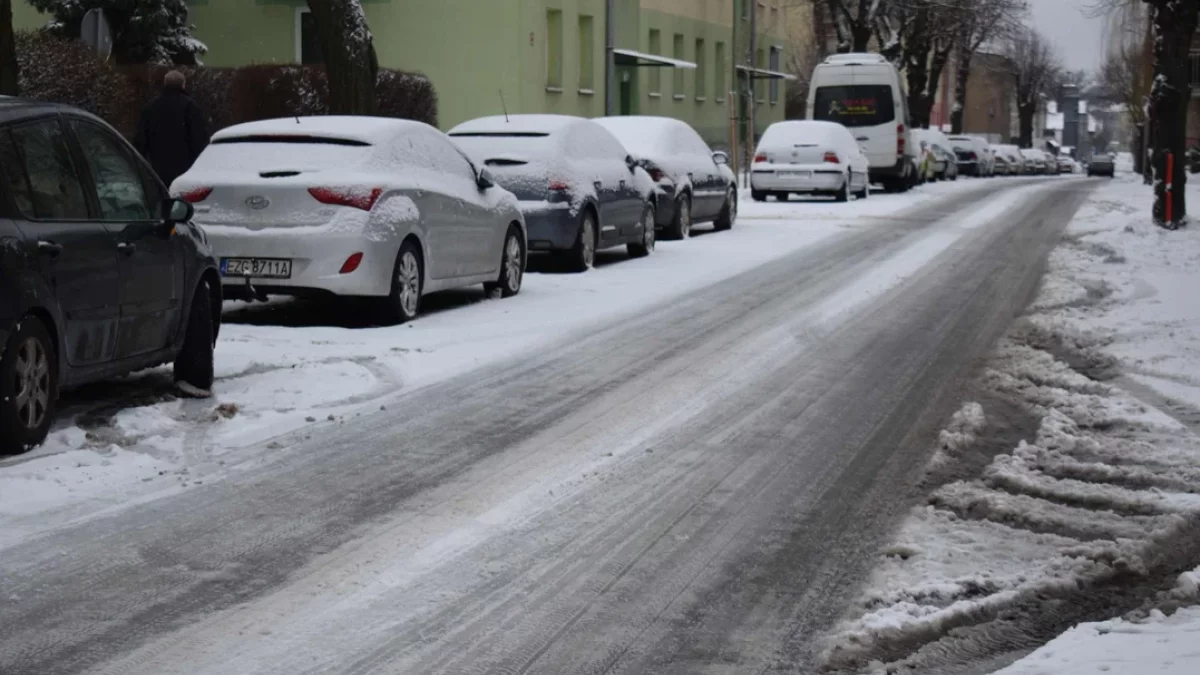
{"points": [[49, 248], [862, 138], [126, 248]]}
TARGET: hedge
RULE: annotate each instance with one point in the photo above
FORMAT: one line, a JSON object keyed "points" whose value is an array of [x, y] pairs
{"points": [[67, 71]]}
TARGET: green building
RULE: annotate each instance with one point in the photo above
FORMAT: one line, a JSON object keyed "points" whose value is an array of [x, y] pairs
{"points": [[677, 58]]}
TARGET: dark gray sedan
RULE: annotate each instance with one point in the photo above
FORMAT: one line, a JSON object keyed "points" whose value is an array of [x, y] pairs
{"points": [[576, 186], [1102, 165]]}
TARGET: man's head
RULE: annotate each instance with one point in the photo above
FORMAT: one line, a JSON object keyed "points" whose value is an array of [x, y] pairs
{"points": [[174, 80]]}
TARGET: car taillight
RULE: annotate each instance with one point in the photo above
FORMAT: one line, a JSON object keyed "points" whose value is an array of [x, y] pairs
{"points": [[345, 197], [196, 195], [558, 186], [899, 140], [761, 158], [973, 156], [351, 263], [832, 158]]}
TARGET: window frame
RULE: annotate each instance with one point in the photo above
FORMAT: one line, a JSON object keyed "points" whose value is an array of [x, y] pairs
{"points": [[554, 61], [701, 76], [654, 46], [587, 53], [774, 63], [151, 184], [298, 37], [719, 73], [678, 78], [77, 161]]}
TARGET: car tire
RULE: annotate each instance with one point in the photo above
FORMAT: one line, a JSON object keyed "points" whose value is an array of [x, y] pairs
{"points": [[781, 196], [512, 265], [582, 256], [681, 224], [403, 303], [646, 246], [843, 195], [28, 398], [728, 212], [866, 191], [758, 195], [194, 362]]}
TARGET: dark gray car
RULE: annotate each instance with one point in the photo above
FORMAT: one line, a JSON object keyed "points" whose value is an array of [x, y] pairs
{"points": [[1102, 165], [576, 186]]}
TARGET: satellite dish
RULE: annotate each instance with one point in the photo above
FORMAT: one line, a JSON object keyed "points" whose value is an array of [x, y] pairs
{"points": [[96, 32]]}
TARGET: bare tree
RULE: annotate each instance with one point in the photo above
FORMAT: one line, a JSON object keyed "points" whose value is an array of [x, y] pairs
{"points": [[805, 49], [1174, 25], [9, 71], [349, 55], [855, 22], [1035, 74], [980, 22]]}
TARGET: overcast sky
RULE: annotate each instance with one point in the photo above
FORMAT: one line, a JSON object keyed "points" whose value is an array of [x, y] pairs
{"points": [[1076, 37]]}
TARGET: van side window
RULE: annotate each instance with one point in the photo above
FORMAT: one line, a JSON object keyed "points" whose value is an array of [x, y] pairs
{"points": [[863, 105]]}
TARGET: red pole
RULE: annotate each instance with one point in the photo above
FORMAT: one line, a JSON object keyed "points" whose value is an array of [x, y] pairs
{"points": [[1170, 176]]}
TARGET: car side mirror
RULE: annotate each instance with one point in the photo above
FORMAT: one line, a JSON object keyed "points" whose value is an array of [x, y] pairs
{"points": [[631, 163], [484, 179], [720, 157], [176, 211]]}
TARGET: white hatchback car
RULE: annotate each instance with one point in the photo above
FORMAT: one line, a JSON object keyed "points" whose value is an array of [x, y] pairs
{"points": [[353, 206], [809, 157]]}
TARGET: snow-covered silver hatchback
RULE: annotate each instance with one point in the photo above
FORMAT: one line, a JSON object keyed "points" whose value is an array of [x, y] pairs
{"points": [[354, 206]]}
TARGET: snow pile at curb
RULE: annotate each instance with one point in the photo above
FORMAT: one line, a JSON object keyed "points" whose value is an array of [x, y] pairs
{"points": [[1101, 495]]}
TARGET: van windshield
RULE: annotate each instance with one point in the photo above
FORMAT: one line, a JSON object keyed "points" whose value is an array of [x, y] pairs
{"points": [[864, 105]]}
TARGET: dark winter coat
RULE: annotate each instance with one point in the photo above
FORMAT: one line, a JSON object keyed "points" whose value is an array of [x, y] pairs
{"points": [[171, 133]]}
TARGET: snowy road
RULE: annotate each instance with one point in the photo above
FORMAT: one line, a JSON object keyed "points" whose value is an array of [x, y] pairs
{"points": [[695, 488]]}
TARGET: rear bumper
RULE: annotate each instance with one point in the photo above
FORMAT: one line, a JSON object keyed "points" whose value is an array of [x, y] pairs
{"points": [[818, 180], [551, 227], [317, 261]]}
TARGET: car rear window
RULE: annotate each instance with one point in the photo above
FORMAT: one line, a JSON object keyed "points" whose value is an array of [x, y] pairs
{"points": [[274, 153], [507, 148], [863, 105]]}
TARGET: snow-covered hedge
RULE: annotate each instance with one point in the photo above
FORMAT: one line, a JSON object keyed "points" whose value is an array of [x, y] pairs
{"points": [[67, 71]]}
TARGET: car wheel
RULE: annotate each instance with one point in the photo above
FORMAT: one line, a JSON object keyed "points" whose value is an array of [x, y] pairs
{"points": [[646, 246], [28, 387], [866, 191], [512, 265], [781, 196], [194, 362], [728, 212], [758, 195], [582, 255], [408, 277], [843, 195], [681, 226]]}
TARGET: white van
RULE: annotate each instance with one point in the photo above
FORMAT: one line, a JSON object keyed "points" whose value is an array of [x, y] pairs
{"points": [[864, 93]]}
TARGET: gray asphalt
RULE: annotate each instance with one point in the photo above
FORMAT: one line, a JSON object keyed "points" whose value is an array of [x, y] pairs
{"points": [[700, 489]]}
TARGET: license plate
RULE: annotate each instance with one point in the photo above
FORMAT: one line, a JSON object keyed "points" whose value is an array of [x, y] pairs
{"points": [[262, 268], [794, 174]]}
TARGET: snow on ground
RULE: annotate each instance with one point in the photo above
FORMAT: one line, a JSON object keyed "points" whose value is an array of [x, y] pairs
{"points": [[130, 440], [1104, 487]]}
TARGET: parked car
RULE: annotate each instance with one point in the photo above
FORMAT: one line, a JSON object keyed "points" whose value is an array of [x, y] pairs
{"points": [[1008, 160], [941, 164], [1103, 164], [1034, 160], [1051, 163], [1066, 164], [100, 273], [974, 155], [809, 157], [579, 190], [692, 186], [864, 93], [380, 208]]}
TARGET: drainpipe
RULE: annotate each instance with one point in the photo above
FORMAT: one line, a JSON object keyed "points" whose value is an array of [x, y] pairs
{"points": [[610, 60], [752, 92]]}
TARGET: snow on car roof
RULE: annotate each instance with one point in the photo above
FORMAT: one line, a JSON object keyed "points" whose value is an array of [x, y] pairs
{"points": [[517, 124], [362, 129], [640, 132], [810, 130]]}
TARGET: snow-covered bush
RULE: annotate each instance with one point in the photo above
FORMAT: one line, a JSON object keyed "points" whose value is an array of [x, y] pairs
{"points": [[143, 31]]}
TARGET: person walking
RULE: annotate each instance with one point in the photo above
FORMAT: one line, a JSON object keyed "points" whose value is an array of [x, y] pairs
{"points": [[172, 131]]}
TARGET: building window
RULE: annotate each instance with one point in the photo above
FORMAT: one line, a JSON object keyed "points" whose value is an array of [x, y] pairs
{"points": [[554, 49], [678, 72], [655, 73], [773, 66], [308, 44], [587, 64], [1194, 69], [719, 67], [746, 9], [760, 62], [701, 70]]}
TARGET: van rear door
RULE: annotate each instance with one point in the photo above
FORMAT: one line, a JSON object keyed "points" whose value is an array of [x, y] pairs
{"points": [[868, 111]]}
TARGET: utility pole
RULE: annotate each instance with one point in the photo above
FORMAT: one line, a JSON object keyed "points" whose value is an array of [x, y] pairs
{"points": [[610, 59], [750, 92]]}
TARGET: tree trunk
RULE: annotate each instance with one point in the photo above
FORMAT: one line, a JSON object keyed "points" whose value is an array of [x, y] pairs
{"points": [[1139, 148], [936, 65], [1025, 113], [861, 31], [1174, 25], [349, 55], [9, 70], [961, 78]]}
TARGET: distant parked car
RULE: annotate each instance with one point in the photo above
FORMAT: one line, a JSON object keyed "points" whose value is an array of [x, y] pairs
{"points": [[942, 164], [974, 155], [1051, 163], [692, 186], [809, 157], [1034, 160], [353, 206], [1102, 165], [579, 189], [1009, 160], [1066, 164], [100, 273]]}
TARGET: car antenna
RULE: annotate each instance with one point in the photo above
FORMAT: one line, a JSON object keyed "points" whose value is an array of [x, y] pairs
{"points": [[503, 106]]}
